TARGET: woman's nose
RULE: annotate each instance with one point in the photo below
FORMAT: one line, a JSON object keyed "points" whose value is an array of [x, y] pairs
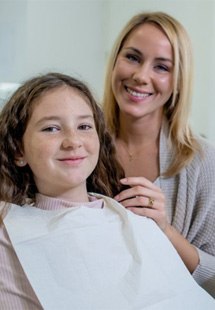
{"points": [[142, 74]]}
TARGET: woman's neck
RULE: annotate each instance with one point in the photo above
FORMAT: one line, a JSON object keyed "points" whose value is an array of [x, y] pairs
{"points": [[138, 146], [139, 132]]}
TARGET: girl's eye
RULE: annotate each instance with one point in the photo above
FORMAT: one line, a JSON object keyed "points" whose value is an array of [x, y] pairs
{"points": [[51, 129], [133, 57], [85, 127]]}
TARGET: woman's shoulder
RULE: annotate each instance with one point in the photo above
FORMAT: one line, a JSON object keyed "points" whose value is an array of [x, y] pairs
{"points": [[203, 162], [207, 149]]}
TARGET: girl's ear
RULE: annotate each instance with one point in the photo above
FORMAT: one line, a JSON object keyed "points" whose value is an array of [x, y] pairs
{"points": [[20, 161]]}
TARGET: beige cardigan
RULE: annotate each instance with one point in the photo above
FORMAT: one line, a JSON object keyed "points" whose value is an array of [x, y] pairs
{"points": [[191, 205]]}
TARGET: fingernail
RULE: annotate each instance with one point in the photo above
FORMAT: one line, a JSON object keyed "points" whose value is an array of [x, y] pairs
{"points": [[124, 180], [116, 197]]}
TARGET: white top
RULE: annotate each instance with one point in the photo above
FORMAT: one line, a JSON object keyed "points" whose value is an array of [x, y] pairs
{"points": [[100, 259]]}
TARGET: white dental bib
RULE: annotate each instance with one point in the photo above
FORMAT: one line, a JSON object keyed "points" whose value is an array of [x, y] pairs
{"points": [[101, 259]]}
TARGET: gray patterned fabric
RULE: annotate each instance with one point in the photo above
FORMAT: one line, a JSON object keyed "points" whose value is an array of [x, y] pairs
{"points": [[191, 205]]}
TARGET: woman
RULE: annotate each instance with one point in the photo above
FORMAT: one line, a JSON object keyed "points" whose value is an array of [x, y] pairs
{"points": [[170, 170]]}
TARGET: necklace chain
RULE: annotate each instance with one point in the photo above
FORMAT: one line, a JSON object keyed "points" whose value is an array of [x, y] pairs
{"points": [[131, 155]]}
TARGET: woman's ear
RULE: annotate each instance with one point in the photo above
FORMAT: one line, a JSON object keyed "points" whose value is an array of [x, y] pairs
{"points": [[20, 161]]}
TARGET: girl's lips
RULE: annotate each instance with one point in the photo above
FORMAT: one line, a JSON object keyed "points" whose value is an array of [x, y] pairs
{"points": [[72, 160]]}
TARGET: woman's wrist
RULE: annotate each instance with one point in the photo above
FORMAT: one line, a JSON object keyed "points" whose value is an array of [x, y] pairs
{"points": [[187, 251]]}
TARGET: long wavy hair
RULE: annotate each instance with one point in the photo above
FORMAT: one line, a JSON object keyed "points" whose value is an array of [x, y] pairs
{"points": [[17, 184], [178, 107]]}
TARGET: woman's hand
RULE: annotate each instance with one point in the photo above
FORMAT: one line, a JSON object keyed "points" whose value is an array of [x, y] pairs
{"points": [[144, 198]]}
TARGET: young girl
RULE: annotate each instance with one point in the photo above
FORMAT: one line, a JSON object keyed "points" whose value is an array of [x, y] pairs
{"points": [[61, 245]]}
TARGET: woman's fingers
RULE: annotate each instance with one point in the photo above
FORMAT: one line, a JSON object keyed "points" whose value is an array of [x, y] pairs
{"points": [[135, 181], [144, 198], [141, 201]]}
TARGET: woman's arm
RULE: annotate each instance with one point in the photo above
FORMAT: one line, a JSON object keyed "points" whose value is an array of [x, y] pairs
{"points": [[146, 199], [187, 251]]}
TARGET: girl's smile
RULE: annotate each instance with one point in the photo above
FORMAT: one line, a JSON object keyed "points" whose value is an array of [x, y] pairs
{"points": [[61, 143]]}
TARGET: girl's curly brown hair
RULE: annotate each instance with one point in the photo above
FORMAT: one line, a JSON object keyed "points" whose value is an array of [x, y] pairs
{"points": [[17, 184]]}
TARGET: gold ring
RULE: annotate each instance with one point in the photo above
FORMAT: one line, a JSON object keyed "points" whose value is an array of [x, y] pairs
{"points": [[151, 202]]}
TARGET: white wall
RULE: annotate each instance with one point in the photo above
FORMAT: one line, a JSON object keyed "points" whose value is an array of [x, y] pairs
{"points": [[68, 37], [75, 37], [12, 39], [52, 35]]}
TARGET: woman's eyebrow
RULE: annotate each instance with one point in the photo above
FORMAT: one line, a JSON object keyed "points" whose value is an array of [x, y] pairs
{"points": [[164, 59], [139, 52], [132, 49]]}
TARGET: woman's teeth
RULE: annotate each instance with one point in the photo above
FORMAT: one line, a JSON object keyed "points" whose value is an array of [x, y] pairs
{"points": [[137, 94]]}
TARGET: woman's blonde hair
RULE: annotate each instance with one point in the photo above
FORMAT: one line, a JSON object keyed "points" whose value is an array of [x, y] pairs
{"points": [[178, 106]]}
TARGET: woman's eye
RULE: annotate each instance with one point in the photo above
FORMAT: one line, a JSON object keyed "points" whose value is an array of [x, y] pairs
{"points": [[162, 68], [133, 57]]}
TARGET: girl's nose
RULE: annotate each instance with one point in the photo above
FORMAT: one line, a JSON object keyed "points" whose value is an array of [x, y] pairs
{"points": [[72, 141]]}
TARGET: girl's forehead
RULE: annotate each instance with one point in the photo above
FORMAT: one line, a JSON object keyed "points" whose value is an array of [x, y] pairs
{"points": [[60, 95], [62, 102]]}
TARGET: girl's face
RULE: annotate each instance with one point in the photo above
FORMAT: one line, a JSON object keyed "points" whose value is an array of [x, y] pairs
{"points": [[142, 78], [61, 144]]}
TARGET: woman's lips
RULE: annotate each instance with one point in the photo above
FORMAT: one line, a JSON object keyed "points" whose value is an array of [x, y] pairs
{"points": [[137, 93]]}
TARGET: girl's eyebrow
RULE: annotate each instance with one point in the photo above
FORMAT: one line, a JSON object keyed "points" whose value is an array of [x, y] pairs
{"points": [[57, 118], [135, 50]]}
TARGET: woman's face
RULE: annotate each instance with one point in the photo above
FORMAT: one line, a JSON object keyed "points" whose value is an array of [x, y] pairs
{"points": [[61, 144], [142, 78]]}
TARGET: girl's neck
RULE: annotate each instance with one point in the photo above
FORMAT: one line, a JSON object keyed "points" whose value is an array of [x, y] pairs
{"points": [[69, 195]]}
